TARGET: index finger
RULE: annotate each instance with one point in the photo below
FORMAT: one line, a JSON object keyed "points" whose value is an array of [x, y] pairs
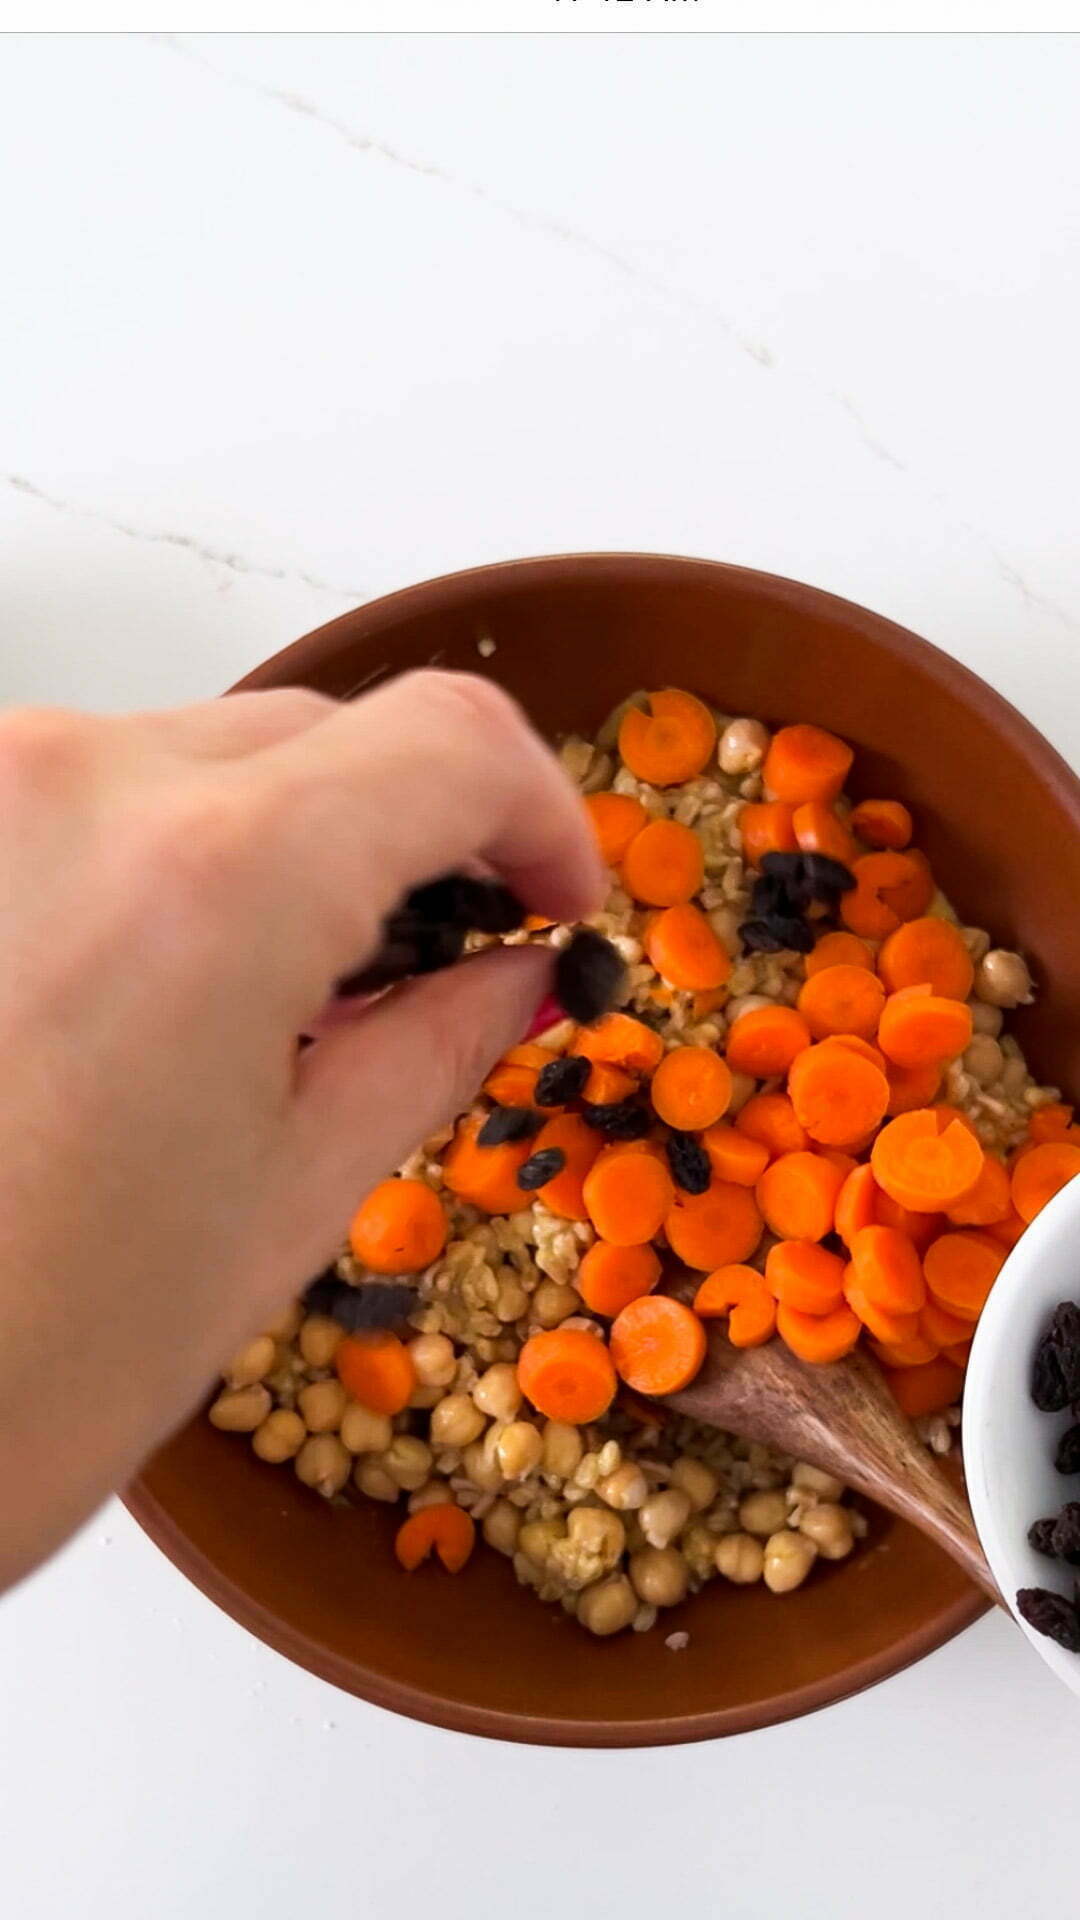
{"points": [[415, 779]]}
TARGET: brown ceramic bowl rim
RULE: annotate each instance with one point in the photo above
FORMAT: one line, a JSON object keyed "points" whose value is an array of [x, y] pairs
{"points": [[292, 665]]}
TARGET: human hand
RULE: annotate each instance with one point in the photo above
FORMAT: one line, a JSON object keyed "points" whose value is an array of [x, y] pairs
{"points": [[180, 893]]}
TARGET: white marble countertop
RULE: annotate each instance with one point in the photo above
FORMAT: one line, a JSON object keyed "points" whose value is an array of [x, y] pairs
{"points": [[290, 321]]}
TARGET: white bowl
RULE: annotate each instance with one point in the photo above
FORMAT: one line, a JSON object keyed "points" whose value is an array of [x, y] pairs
{"points": [[1008, 1444]]}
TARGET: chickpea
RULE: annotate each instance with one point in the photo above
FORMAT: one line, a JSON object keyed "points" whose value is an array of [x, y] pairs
{"points": [[696, 1480], [563, 1449], [985, 1018], [977, 942], [763, 1513], [553, 1302], [742, 746], [497, 1393], [422, 1399], [698, 1549], [829, 1527], [659, 1576], [607, 1607], [501, 1526], [816, 1480], [740, 1558], [456, 1421], [482, 1466], [240, 1409], [597, 1530], [433, 1358], [433, 1493], [1003, 979], [281, 1435], [537, 1537], [373, 1480], [323, 1464], [252, 1363], [518, 1450], [322, 1405], [625, 1489], [407, 1460], [511, 1300], [984, 1060], [664, 1515], [319, 1340], [365, 1432], [725, 922], [788, 1559], [287, 1325]]}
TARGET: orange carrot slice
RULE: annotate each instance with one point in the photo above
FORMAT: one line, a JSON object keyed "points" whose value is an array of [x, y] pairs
{"points": [[567, 1374], [445, 1529], [818, 1338], [718, 1228], [657, 1344], [741, 1293], [670, 743], [805, 1277], [400, 1227]]}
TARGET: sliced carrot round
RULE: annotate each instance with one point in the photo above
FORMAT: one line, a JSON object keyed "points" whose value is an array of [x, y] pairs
{"points": [[628, 1197], [764, 1043], [797, 1196], [990, 1199], [842, 1000], [856, 1204], [446, 1529], [922, 1390], [819, 1338], [664, 864], [741, 1293], [805, 1276], [806, 763], [485, 1177], [616, 819], [691, 1088], [1008, 1231], [766, 826], [889, 888], [399, 1227], [908, 1353], [945, 1329], [733, 1155], [657, 1344], [579, 1144], [883, 823], [892, 1329], [770, 1119], [1051, 1122], [377, 1370], [920, 1029], [685, 951], [670, 743], [927, 952], [718, 1228], [839, 950], [610, 1277], [920, 1228], [888, 1270], [607, 1085], [926, 1160], [567, 1374], [838, 1096], [960, 1270], [1042, 1173], [819, 829], [620, 1041], [512, 1081], [911, 1087]]}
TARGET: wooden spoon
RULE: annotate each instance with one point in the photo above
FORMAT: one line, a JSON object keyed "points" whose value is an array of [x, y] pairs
{"points": [[841, 1418]]}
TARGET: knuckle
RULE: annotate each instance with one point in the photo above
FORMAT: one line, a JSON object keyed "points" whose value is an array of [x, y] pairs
{"points": [[44, 747], [466, 700], [196, 844], [301, 705]]}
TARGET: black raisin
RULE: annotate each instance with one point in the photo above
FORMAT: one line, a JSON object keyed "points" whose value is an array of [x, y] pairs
{"points": [[688, 1161], [541, 1167], [561, 1080], [794, 935], [1052, 1614], [1048, 1389], [1065, 1332], [1041, 1535], [1055, 1376], [825, 878], [590, 977], [1067, 1452], [509, 1123], [768, 895], [620, 1120], [784, 866], [759, 936], [374, 1303], [1066, 1537]]}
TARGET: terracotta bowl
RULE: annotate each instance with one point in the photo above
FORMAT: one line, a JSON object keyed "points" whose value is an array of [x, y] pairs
{"points": [[999, 816]]}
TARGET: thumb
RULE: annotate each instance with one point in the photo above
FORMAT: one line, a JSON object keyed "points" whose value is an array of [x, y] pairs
{"points": [[371, 1091]]}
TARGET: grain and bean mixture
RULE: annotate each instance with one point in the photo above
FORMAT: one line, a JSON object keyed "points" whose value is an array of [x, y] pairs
{"points": [[735, 860]]}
